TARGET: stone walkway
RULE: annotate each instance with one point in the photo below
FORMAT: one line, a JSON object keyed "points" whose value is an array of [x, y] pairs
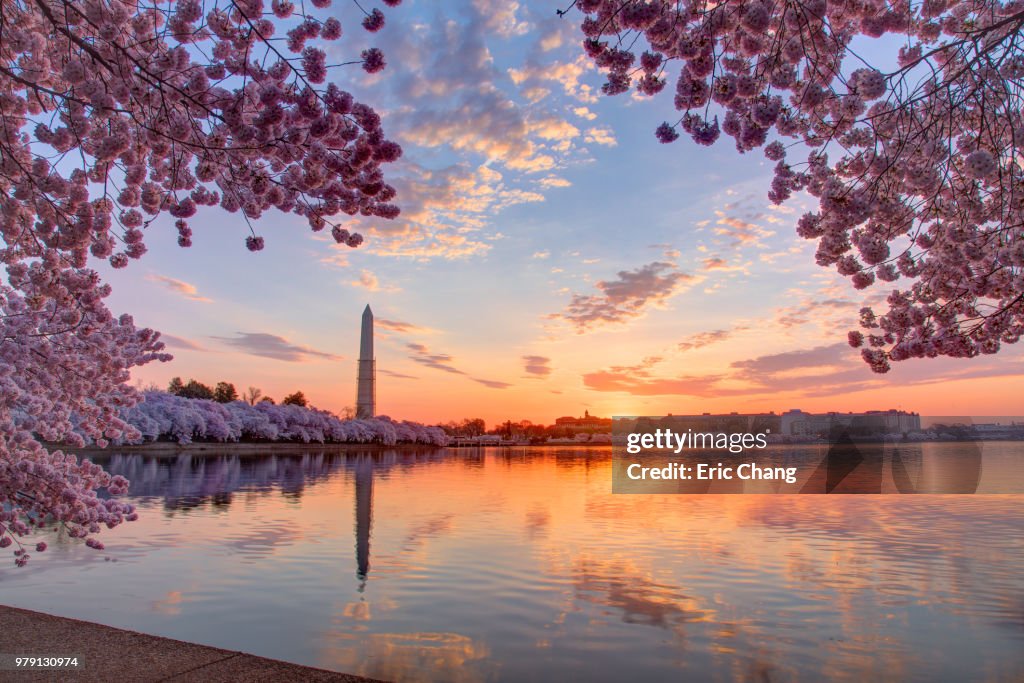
{"points": [[112, 654]]}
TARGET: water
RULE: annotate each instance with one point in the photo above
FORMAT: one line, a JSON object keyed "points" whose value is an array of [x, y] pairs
{"points": [[520, 565]]}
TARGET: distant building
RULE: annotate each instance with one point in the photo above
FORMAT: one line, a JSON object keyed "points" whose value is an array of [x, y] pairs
{"points": [[792, 423], [799, 423], [584, 424]]}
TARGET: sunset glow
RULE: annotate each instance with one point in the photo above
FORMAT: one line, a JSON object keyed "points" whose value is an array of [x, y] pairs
{"points": [[552, 257]]}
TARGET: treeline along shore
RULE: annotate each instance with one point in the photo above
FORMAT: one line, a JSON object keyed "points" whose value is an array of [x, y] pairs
{"points": [[165, 421], [172, 449]]}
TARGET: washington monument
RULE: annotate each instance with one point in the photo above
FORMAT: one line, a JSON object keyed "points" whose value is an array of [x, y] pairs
{"points": [[366, 378]]}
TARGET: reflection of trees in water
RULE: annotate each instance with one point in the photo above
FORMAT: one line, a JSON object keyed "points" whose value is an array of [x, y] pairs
{"points": [[191, 481]]}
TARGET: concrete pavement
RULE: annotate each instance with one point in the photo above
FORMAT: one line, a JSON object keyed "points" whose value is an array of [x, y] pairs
{"points": [[113, 654]]}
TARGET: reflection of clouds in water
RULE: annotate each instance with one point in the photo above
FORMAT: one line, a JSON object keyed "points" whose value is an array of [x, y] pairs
{"points": [[537, 520], [527, 562], [426, 530], [879, 545], [638, 598], [171, 603], [414, 657], [261, 539]]}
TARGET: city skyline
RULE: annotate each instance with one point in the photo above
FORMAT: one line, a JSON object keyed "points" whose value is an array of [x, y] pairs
{"points": [[550, 253]]}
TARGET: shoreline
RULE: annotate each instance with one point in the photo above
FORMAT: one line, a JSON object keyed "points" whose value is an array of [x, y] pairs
{"points": [[170, 449], [167, 449], [106, 653]]}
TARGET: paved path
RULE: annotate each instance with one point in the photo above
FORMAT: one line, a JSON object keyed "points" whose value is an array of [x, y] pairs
{"points": [[112, 654]]}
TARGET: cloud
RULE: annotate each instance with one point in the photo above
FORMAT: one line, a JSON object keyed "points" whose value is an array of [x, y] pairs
{"points": [[537, 366], [584, 113], [740, 232], [568, 75], [765, 367], [554, 31], [601, 136], [397, 375], [625, 297], [438, 361], [452, 99], [368, 281], [442, 361], [641, 369], [814, 310], [181, 287], [338, 256], [822, 371], [501, 17], [831, 366], [273, 346], [471, 147], [445, 212], [491, 383], [554, 181], [702, 339], [541, 254], [399, 326], [625, 382], [553, 128], [180, 343], [818, 371]]}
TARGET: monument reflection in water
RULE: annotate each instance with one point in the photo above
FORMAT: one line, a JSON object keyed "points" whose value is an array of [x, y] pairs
{"points": [[520, 564], [364, 517]]}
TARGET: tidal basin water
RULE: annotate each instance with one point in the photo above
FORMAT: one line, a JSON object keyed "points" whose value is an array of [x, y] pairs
{"points": [[520, 565]]}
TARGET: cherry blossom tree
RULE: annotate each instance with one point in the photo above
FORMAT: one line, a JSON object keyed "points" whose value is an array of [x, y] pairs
{"points": [[114, 113], [913, 156], [163, 416]]}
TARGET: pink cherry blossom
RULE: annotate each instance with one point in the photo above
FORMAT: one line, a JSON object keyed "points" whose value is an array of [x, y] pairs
{"points": [[164, 416], [154, 109], [916, 168]]}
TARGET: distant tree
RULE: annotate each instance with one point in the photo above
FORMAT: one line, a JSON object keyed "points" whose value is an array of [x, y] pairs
{"points": [[347, 413], [175, 387], [296, 399], [473, 427], [252, 394], [196, 389], [267, 399], [225, 393]]}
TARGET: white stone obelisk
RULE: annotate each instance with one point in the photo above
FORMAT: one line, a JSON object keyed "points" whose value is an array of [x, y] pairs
{"points": [[366, 379]]}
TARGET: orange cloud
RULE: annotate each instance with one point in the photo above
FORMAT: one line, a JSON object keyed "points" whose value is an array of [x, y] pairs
{"points": [[181, 287], [702, 339], [370, 282]]}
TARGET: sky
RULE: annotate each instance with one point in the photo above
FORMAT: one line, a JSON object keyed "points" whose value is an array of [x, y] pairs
{"points": [[551, 257]]}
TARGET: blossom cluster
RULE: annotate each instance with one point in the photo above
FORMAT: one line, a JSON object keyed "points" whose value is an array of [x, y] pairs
{"points": [[916, 170], [161, 416], [64, 361], [112, 114], [121, 84]]}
